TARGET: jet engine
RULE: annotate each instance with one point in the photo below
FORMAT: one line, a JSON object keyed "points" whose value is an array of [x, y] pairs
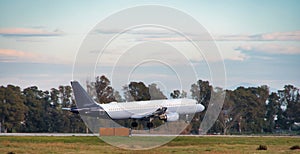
{"points": [[172, 116]]}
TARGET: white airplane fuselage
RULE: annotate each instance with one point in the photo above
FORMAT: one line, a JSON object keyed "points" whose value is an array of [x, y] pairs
{"points": [[137, 109]]}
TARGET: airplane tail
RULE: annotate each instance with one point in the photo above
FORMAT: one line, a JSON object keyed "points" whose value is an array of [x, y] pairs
{"points": [[85, 104], [83, 100]]}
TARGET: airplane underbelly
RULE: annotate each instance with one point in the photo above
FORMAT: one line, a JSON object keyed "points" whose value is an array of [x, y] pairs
{"points": [[184, 109], [124, 114], [119, 114]]}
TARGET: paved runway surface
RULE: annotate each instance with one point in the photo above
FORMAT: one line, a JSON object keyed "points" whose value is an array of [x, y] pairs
{"points": [[44, 134], [76, 134]]}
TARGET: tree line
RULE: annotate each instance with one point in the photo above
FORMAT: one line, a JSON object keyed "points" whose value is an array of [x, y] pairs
{"points": [[33, 110], [245, 110]]}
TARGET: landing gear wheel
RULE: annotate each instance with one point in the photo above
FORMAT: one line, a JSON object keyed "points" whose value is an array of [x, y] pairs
{"points": [[149, 125], [134, 124]]}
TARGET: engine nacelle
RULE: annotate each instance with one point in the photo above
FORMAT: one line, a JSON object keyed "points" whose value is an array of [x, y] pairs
{"points": [[172, 116]]}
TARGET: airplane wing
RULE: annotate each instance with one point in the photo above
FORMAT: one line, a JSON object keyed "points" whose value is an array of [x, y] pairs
{"points": [[157, 113], [137, 116]]}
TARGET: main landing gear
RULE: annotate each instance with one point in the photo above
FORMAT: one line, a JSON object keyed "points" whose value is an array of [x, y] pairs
{"points": [[149, 124], [134, 124]]}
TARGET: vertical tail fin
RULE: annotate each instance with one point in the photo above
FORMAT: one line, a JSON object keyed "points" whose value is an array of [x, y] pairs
{"points": [[81, 96]]}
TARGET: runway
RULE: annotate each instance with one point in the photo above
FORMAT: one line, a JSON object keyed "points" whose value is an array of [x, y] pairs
{"points": [[44, 134], [82, 134], [153, 135]]}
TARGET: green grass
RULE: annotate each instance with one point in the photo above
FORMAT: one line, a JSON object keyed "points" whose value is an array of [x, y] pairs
{"points": [[202, 144]]}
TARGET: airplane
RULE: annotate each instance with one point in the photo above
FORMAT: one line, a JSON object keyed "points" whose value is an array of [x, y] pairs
{"points": [[165, 110]]}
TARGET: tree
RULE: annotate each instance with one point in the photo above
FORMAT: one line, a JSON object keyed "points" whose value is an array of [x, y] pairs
{"points": [[252, 102], [290, 98], [65, 93], [12, 108], [177, 94], [230, 113], [55, 116], [118, 97], [45, 114], [244, 109], [54, 97], [63, 121], [201, 91], [105, 93], [155, 92], [273, 108], [262, 94], [127, 96], [36, 119], [138, 91]]}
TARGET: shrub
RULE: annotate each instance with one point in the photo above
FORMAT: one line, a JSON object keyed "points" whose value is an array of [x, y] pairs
{"points": [[262, 147], [295, 147]]}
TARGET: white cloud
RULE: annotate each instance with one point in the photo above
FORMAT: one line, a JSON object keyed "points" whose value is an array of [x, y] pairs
{"points": [[271, 48], [281, 36], [155, 34], [231, 47], [29, 32], [274, 36], [10, 55]]}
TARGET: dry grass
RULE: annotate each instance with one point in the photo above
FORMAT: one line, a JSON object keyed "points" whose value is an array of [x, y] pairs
{"points": [[81, 145]]}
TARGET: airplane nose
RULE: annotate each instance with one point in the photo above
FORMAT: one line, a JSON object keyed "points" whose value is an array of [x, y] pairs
{"points": [[199, 107]]}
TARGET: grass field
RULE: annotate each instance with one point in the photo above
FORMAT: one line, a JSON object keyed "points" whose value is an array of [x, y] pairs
{"points": [[186, 144]]}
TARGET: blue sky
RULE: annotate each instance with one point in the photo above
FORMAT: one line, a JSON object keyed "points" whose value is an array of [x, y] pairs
{"points": [[259, 40]]}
